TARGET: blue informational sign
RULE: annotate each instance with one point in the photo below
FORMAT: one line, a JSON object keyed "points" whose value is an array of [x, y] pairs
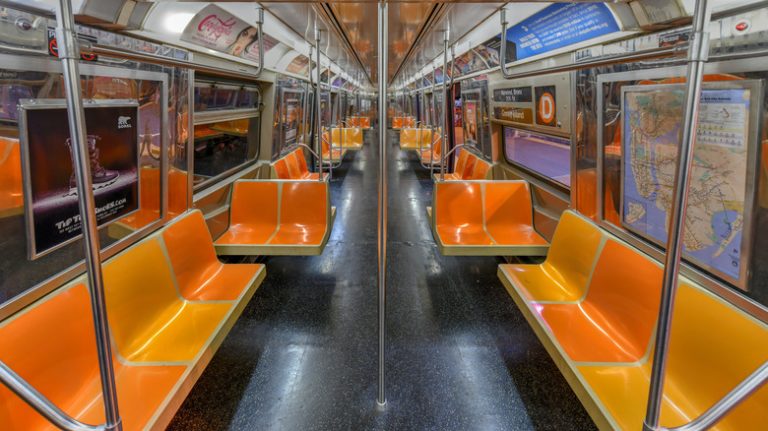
{"points": [[560, 25]]}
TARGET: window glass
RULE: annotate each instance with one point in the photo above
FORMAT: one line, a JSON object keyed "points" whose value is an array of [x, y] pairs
{"points": [[545, 155], [224, 141]]}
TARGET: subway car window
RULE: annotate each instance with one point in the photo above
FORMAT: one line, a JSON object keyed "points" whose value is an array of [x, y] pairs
{"points": [[548, 156], [227, 121]]}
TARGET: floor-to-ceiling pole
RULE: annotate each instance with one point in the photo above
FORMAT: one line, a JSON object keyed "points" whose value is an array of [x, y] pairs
{"points": [[698, 53], [382, 218], [318, 105], [69, 54]]}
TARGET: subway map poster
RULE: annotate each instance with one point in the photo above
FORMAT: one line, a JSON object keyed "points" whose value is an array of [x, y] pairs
{"points": [[715, 218]]}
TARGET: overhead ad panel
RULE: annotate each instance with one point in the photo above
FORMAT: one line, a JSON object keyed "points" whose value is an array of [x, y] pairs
{"points": [[560, 25], [217, 29]]}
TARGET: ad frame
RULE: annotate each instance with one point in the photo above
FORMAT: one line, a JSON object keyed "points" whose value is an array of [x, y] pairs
{"points": [[755, 88], [26, 105], [724, 287]]}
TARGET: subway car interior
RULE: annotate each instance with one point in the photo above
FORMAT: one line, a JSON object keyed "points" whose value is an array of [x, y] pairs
{"points": [[361, 215]]}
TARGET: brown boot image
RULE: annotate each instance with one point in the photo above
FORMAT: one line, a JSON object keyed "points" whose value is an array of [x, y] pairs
{"points": [[100, 176]]}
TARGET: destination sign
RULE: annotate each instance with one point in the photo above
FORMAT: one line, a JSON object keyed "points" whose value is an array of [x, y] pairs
{"points": [[513, 95], [517, 115]]}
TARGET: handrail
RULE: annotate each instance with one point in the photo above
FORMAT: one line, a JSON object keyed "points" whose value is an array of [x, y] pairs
{"points": [[260, 23], [738, 394], [503, 47], [446, 103], [318, 123], [41, 404]]}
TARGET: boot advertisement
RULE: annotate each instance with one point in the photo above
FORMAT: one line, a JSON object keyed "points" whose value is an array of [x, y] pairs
{"points": [[51, 198]]}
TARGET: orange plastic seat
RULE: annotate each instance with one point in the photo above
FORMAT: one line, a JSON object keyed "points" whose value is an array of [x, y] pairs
{"points": [[293, 166], [713, 347], [415, 138], [278, 218], [480, 170], [149, 201], [433, 153], [304, 213], [199, 273], [338, 153], [615, 321], [280, 169], [564, 275], [52, 346], [11, 197], [459, 214], [468, 167], [509, 213], [485, 218], [253, 216], [150, 322]]}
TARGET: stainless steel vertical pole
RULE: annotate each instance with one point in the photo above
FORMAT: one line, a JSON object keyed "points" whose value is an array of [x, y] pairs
{"points": [[443, 122], [698, 52], [69, 53], [382, 237], [318, 125]]}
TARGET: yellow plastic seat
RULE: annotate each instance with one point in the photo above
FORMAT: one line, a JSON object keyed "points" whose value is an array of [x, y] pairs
{"points": [[52, 346], [348, 138], [615, 321], [713, 347], [564, 275], [415, 138], [199, 273], [150, 321]]}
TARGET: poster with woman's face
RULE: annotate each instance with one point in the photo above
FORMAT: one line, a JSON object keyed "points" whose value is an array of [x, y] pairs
{"points": [[217, 29], [470, 120]]}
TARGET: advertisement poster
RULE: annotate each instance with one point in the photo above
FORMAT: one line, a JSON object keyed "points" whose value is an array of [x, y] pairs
{"points": [[560, 25], [51, 200], [299, 65], [546, 106], [291, 117], [472, 112], [217, 29]]}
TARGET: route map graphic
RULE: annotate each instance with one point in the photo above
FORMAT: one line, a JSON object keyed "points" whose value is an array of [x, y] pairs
{"points": [[715, 212]]}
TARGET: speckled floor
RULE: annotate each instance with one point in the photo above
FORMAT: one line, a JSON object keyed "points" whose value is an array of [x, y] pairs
{"points": [[304, 354]]}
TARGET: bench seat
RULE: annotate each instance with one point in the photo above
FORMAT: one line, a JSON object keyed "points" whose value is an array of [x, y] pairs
{"points": [[149, 201], [564, 275], [485, 218], [347, 138], [199, 273], [414, 139], [293, 166], [469, 166], [11, 197], [170, 304], [278, 218], [403, 122], [52, 346], [600, 330]]}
